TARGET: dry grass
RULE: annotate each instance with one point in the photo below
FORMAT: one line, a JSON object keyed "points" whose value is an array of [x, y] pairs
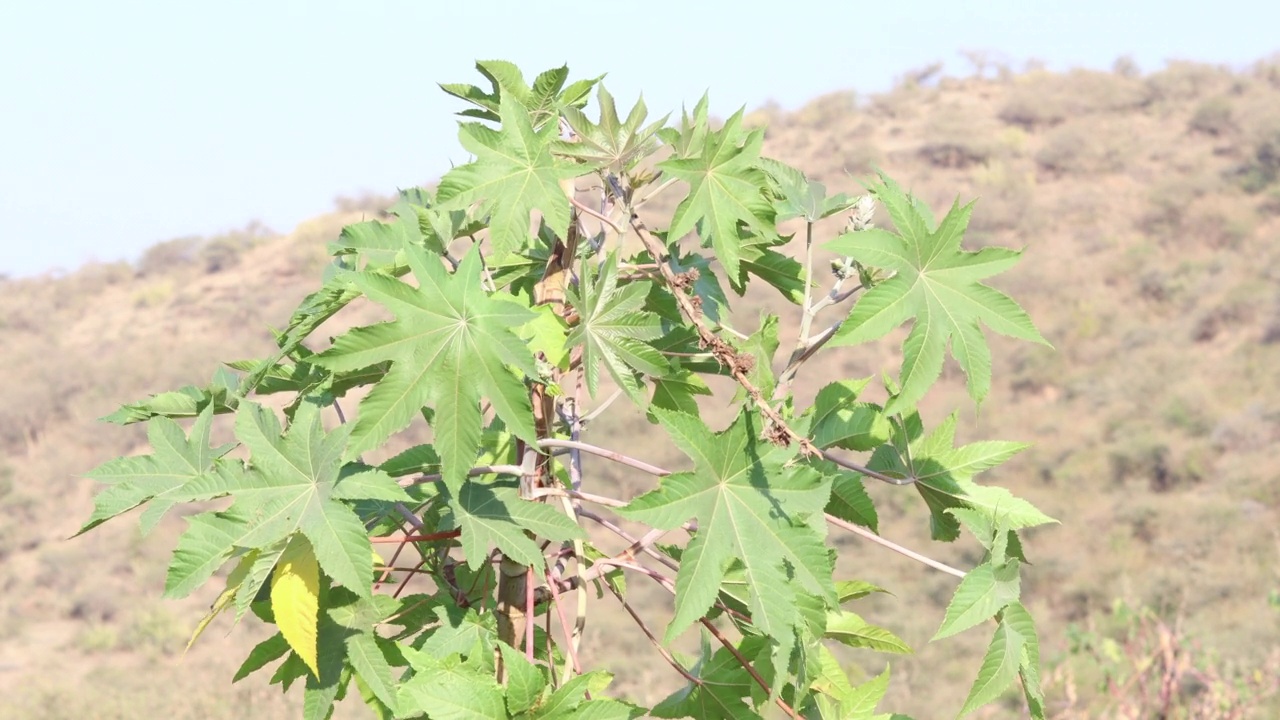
{"points": [[1150, 210]]}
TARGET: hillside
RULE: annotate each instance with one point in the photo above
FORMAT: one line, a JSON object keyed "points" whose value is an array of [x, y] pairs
{"points": [[1149, 206]]}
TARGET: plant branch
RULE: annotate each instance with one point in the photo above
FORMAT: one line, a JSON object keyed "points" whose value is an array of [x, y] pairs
{"points": [[724, 352], [666, 583], [602, 452], [863, 532], [665, 653], [473, 472], [595, 412], [746, 665]]}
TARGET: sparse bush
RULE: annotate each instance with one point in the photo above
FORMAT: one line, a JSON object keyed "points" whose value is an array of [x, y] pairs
{"points": [[153, 629], [1271, 331], [1148, 666], [1149, 461], [1046, 99], [1213, 117], [1261, 131], [827, 112], [1181, 81], [1087, 147], [1126, 67], [1006, 196], [1220, 221], [168, 255], [98, 637], [368, 202], [954, 137]]}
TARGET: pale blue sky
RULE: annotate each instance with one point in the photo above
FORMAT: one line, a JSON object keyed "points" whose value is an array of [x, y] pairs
{"points": [[124, 123]]}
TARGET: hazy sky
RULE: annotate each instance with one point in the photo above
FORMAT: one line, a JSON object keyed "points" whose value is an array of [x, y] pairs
{"points": [[124, 123]]}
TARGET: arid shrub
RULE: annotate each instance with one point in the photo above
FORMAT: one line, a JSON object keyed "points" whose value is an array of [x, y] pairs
{"points": [[221, 254], [1170, 200], [168, 255], [1220, 221], [368, 202], [1125, 66], [1007, 197], [1180, 81], [1087, 146], [1046, 99], [955, 137], [1213, 117], [827, 111]]}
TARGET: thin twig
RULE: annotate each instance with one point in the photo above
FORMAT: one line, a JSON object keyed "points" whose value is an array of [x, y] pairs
{"points": [[666, 583], [863, 470], [654, 193], [863, 532], [595, 412], [473, 472], [570, 634], [666, 654], [601, 452], [596, 215], [746, 665], [591, 573]]}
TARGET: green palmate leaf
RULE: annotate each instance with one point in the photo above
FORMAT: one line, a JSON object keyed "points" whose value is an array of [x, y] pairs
{"points": [[1017, 618], [722, 690], [415, 460], [612, 145], [186, 402], [181, 469], [1010, 647], [750, 508], [780, 271], [310, 314], [296, 482], [269, 650], [208, 542], [761, 346], [856, 589], [569, 701], [841, 701], [366, 651], [936, 283], [841, 420], [516, 165], [378, 243], [985, 591], [796, 196], [544, 100], [849, 499], [678, 391], [448, 689], [850, 629], [943, 477], [450, 345], [545, 334], [525, 681], [495, 516], [461, 631], [613, 328], [690, 137], [324, 689], [725, 189]]}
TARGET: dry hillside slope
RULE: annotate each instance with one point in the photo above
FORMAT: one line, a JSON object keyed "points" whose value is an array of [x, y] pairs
{"points": [[1150, 210]]}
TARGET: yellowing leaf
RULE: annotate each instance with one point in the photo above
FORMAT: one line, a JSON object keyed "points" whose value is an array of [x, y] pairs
{"points": [[295, 599]]}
